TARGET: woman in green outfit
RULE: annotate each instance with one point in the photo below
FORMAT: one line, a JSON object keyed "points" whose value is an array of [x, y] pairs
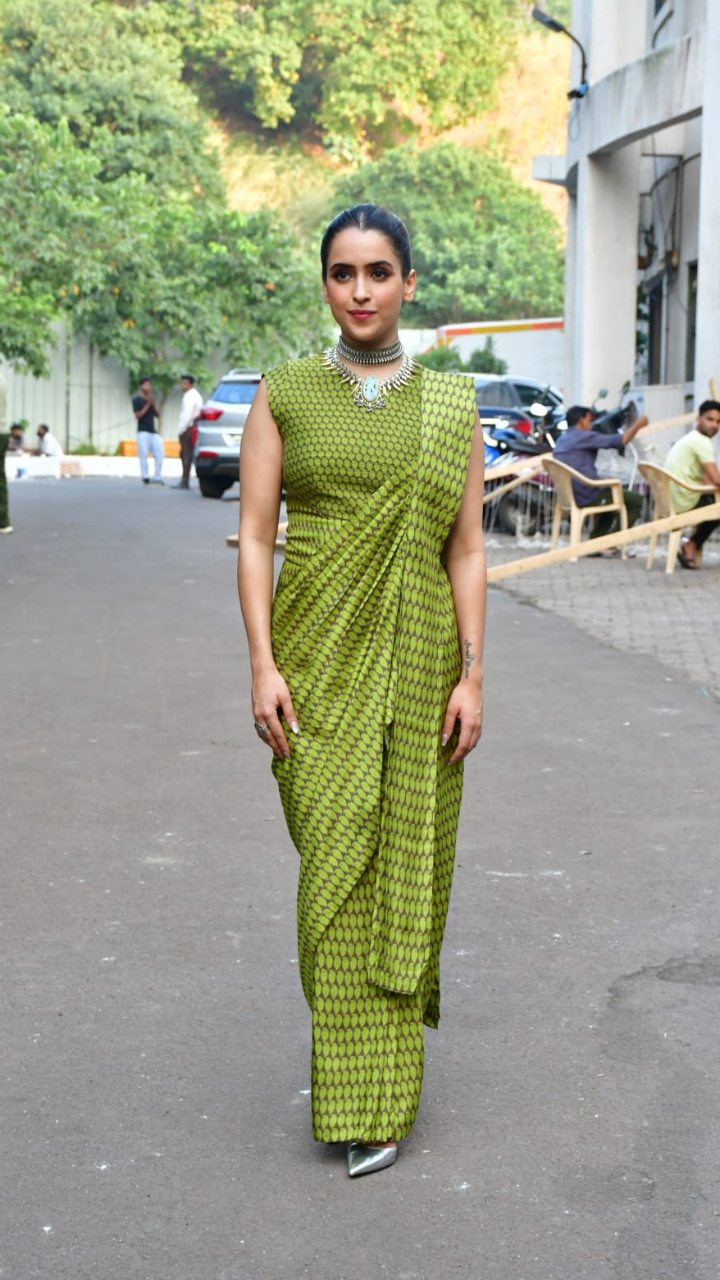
{"points": [[367, 670]]}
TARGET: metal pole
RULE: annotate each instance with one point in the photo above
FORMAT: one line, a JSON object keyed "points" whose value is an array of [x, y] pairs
{"points": [[68, 365], [90, 392]]}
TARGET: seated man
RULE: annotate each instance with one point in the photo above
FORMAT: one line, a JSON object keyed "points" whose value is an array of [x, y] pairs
{"points": [[578, 447], [15, 439], [48, 444], [692, 459]]}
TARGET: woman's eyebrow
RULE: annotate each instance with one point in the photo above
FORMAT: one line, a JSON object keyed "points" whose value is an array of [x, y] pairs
{"points": [[350, 266]]}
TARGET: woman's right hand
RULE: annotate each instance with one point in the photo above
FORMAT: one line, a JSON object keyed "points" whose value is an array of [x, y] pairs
{"points": [[270, 699]]}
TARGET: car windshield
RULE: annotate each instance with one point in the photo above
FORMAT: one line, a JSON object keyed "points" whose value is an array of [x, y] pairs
{"points": [[493, 395], [531, 393], [235, 392]]}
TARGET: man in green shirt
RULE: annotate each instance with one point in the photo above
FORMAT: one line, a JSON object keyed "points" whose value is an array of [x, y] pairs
{"points": [[692, 459]]}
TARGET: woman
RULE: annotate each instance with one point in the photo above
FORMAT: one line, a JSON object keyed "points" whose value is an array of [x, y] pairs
{"points": [[367, 670]]}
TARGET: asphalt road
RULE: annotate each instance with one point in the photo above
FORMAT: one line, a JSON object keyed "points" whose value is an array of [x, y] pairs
{"points": [[155, 1043]]}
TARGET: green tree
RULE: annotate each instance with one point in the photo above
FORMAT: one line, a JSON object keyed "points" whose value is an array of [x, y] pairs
{"points": [[483, 244], [358, 71], [102, 69], [58, 225], [449, 360], [193, 282], [157, 285]]}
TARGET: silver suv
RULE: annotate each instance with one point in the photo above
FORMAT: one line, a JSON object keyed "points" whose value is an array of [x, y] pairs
{"points": [[220, 428]]}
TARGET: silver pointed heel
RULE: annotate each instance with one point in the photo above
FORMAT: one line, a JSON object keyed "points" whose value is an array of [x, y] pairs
{"points": [[364, 1159]]}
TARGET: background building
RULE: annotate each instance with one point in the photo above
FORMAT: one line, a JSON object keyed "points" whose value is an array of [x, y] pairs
{"points": [[642, 172]]}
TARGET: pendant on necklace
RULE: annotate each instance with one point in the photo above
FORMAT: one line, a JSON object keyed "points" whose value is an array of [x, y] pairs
{"points": [[370, 388]]}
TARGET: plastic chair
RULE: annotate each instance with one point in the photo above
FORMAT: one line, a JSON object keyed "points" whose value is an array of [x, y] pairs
{"points": [[562, 477], [659, 481]]}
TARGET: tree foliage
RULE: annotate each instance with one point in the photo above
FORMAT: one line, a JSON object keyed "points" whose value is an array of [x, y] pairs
{"points": [[352, 69], [58, 225], [483, 244], [200, 282], [157, 285], [103, 69], [449, 360]]}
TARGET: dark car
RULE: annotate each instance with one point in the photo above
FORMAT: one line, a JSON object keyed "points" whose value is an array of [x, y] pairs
{"points": [[508, 401]]}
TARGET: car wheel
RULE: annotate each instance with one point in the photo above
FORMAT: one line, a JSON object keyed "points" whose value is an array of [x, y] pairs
{"points": [[518, 516], [214, 486]]}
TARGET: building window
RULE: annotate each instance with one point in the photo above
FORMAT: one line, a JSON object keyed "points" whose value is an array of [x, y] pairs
{"points": [[691, 322]]}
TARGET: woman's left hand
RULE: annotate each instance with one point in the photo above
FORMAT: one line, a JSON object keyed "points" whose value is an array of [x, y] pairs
{"points": [[466, 705]]}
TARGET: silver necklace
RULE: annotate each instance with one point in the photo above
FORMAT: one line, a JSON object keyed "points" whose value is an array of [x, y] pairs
{"points": [[370, 391], [385, 355]]}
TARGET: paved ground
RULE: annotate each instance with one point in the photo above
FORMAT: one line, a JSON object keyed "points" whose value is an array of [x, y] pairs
{"points": [[154, 1055], [671, 617]]}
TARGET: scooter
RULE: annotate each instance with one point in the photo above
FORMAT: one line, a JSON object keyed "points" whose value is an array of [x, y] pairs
{"points": [[524, 510]]}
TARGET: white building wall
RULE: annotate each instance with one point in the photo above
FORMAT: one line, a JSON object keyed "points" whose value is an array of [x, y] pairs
{"points": [[86, 399], [652, 112]]}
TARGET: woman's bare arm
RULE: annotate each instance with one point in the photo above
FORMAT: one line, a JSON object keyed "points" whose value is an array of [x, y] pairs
{"points": [[465, 562], [261, 458]]}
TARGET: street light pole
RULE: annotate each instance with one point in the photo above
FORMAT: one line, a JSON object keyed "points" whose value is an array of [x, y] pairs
{"points": [[552, 24]]}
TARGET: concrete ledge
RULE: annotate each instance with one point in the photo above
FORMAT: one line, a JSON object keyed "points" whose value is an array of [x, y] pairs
{"points": [[26, 467], [650, 94]]}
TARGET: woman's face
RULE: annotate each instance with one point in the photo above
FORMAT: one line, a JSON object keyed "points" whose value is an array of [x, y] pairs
{"points": [[365, 288]]}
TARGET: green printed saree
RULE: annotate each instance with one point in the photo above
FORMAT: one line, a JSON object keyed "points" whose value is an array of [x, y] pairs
{"points": [[364, 632]]}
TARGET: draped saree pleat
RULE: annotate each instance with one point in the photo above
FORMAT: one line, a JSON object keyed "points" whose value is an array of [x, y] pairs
{"points": [[364, 632]]}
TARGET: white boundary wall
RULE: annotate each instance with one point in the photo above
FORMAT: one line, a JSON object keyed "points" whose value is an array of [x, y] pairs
{"points": [[85, 398]]}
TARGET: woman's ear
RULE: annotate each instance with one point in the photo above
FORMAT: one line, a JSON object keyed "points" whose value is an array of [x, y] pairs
{"points": [[409, 287]]}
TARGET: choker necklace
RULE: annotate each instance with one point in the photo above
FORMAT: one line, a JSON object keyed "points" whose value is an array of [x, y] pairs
{"points": [[370, 392], [385, 355]]}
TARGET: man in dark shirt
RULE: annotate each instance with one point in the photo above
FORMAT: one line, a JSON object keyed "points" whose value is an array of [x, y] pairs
{"points": [[148, 438], [578, 447]]}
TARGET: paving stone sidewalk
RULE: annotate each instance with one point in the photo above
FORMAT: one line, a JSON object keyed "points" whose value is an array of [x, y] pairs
{"points": [[674, 618]]}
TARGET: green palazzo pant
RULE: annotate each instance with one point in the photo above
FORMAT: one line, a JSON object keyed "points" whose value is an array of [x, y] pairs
{"points": [[367, 1043]]}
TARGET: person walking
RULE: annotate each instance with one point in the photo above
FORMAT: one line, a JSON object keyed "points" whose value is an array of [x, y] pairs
{"points": [[149, 439], [190, 407], [366, 670]]}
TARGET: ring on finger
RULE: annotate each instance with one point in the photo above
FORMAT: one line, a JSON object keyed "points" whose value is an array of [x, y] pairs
{"points": [[261, 730]]}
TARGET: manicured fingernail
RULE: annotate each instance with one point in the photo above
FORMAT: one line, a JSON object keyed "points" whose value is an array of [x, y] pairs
{"points": [[294, 726], [443, 740]]}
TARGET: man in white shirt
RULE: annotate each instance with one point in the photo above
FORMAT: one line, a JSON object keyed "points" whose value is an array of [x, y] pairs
{"points": [[48, 444], [190, 408]]}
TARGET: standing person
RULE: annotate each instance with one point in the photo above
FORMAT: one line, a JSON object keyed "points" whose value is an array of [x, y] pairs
{"points": [[5, 525], [578, 447], [192, 403], [48, 445], [367, 670], [149, 439], [692, 459]]}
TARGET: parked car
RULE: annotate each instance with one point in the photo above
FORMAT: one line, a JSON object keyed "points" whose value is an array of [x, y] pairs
{"points": [[220, 428], [508, 401]]}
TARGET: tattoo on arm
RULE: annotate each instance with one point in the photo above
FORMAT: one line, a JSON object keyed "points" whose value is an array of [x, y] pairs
{"points": [[468, 659]]}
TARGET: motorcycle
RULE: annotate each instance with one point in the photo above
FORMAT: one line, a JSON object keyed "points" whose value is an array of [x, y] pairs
{"points": [[524, 510]]}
